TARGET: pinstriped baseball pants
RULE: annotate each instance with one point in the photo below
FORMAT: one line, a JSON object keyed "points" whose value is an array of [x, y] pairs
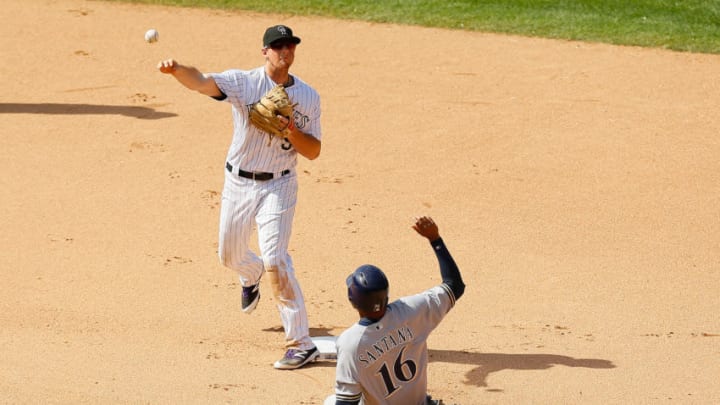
{"points": [[268, 206]]}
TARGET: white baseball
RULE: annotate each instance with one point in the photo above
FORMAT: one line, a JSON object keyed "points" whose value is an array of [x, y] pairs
{"points": [[152, 35]]}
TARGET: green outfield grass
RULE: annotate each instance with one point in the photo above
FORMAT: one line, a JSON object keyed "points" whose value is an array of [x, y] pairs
{"points": [[681, 25]]}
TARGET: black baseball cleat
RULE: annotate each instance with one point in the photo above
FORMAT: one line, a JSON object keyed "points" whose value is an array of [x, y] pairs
{"points": [[250, 298], [296, 358]]}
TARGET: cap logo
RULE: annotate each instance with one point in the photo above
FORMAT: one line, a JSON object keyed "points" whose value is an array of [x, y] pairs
{"points": [[282, 30]]}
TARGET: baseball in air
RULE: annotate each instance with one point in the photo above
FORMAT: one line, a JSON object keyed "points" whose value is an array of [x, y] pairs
{"points": [[151, 36]]}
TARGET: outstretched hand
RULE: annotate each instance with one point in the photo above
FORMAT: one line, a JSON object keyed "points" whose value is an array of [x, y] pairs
{"points": [[167, 66], [426, 227]]}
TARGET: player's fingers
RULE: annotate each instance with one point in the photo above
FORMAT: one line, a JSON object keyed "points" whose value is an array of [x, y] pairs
{"points": [[166, 66], [282, 122]]}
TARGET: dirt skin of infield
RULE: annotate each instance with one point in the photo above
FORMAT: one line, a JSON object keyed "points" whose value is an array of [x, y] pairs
{"points": [[577, 186]]}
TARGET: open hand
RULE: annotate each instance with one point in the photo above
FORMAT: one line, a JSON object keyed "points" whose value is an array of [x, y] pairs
{"points": [[167, 66], [426, 227]]}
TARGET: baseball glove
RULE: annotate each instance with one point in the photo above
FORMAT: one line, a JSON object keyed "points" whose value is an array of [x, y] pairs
{"points": [[263, 114]]}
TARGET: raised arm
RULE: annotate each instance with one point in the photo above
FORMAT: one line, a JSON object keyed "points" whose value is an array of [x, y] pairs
{"points": [[190, 77], [449, 271]]}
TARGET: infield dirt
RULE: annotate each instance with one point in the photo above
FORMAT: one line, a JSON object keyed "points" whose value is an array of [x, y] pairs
{"points": [[577, 186]]}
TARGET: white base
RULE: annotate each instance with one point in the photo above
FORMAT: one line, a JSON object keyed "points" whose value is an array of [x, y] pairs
{"points": [[326, 347]]}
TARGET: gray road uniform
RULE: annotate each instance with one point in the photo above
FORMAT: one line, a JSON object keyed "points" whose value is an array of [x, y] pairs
{"points": [[385, 362]]}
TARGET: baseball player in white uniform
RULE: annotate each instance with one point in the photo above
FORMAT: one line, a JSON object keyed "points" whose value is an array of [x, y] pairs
{"points": [[261, 181], [383, 358]]}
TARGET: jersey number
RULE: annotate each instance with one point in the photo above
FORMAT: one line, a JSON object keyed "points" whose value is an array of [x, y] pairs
{"points": [[285, 145], [403, 370]]}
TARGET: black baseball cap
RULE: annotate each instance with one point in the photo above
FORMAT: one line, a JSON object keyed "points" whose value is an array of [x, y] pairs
{"points": [[278, 32]]}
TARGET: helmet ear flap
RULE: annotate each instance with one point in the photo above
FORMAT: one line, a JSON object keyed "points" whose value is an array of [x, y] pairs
{"points": [[380, 301]]}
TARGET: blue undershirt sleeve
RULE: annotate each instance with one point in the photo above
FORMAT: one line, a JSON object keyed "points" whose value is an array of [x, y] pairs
{"points": [[448, 269]]}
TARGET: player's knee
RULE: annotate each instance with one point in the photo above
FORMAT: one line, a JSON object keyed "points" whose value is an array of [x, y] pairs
{"points": [[224, 257], [281, 286], [271, 260]]}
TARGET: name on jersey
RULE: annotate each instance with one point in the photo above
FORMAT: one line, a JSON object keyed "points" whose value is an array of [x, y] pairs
{"points": [[393, 339]]}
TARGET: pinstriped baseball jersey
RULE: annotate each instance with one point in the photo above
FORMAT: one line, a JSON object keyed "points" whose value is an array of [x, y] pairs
{"points": [[386, 362], [249, 149]]}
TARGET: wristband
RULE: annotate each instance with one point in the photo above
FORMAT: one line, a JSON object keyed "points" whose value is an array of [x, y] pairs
{"points": [[290, 127]]}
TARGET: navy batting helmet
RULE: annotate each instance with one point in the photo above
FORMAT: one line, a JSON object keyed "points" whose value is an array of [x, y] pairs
{"points": [[368, 289]]}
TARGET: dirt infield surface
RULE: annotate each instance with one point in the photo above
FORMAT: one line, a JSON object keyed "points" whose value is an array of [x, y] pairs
{"points": [[577, 186]]}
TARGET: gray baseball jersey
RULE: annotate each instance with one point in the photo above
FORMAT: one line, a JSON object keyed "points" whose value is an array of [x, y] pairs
{"points": [[386, 362]]}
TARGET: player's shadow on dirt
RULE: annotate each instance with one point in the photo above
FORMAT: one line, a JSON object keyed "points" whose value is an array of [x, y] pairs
{"points": [[488, 363], [144, 113]]}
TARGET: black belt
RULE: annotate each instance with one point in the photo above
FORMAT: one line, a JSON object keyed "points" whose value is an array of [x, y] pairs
{"points": [[254, 176]]}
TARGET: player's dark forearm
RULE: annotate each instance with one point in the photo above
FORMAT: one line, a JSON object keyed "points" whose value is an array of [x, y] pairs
{"points": [[448, 269]]}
